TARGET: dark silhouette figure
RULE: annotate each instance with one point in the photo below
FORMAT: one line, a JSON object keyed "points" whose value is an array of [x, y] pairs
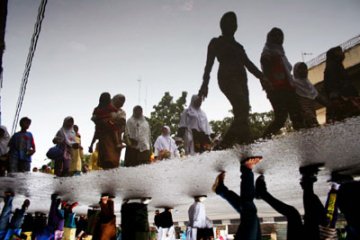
{"points": [[232, 78], [244, 204], [348, 201], [295, 227], [134, 221], [279, 84], [338, 88], [316, 223]]}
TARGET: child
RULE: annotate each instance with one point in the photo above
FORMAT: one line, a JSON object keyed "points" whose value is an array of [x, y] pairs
{"points": [[22, 147]]}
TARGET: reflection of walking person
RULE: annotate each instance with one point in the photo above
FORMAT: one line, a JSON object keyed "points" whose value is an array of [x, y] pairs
{"points": [[249, 227], [232, 78], [279, 86]]}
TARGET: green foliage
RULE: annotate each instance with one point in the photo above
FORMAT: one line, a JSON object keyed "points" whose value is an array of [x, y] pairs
{"points": [[258, 124], [167, 112]]}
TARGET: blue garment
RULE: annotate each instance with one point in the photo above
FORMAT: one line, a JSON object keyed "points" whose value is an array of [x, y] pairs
{"points": [[5, 216], [249, 227], [70, 221], [20, 143]]}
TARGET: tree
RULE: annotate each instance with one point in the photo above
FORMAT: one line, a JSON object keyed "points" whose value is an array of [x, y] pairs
{"points": [[258, 124], [167, 112]]}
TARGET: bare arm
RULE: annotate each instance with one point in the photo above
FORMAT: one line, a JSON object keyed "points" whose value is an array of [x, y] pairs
{"points": [[211, 54], [251, 67]]}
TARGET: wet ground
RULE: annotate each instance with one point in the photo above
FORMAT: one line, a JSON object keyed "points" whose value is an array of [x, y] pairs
{"points": [[173, 182]]}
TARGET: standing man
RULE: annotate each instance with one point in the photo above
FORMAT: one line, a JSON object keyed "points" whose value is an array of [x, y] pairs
{"points": [[200, 227], [167, 225]]}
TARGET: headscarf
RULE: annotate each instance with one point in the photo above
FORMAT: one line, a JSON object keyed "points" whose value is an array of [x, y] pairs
{"points": [[66, 135], [271, 49], [165, 142], [139, 129], [120, 114], [195, 118], [304, 87], [4, 141]]}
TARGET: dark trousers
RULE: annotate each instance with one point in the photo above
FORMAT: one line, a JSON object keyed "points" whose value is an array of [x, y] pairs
{"points": [[249, 228], [348, 199], [236, 91], [315, 213], [133, 157], [295, 228], [284, 103], [134, 221]]}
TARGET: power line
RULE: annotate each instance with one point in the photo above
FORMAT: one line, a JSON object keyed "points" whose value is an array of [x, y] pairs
{"points": [[32, 48]]}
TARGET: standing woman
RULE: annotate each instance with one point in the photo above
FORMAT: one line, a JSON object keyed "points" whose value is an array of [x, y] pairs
{"points": [[66, 138], [338, 88], [232, 78], [306, 94], [194, 127], [279, 87], [107, 132]]}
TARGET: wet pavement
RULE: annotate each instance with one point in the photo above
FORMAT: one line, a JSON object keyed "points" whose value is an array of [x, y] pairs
{"points": [[172, 183]]}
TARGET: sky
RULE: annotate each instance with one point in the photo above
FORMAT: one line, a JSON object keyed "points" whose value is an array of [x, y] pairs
{"points": [[144, 48]]}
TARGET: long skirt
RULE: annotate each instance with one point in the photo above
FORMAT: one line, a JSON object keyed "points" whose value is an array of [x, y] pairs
{"points": [[109, 153]]}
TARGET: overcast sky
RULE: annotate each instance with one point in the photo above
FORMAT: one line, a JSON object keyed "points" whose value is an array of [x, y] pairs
{"points": [[89, 46]]}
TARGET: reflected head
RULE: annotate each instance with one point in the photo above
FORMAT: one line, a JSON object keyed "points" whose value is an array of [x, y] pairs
{"points": [[68, 122], [335, 54], [300, 70], [228, 24], [137, 112], [118, 100], [25, 122], [104, 99], [275, 36]]}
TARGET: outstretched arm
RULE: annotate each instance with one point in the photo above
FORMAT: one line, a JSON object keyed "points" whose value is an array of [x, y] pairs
{"points": [[251, 67], [209, 64]]}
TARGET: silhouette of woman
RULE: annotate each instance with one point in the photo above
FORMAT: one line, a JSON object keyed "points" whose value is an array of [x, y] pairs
{"points": [[232, 78]]}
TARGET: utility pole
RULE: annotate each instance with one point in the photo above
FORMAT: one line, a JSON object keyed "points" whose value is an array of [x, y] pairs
{"points": [[139, 91]]}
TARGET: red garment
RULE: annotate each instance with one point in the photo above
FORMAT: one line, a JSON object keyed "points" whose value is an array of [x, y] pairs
{"points": [[278, 76], [103, 117]]}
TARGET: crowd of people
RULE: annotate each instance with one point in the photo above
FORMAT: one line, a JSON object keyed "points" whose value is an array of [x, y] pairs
{"points": [[290, 93]]}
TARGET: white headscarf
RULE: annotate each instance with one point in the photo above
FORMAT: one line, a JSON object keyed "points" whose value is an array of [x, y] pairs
{"points": [[195, 118], [139, 130], [304, 87], [165, 142], [271, 49], [4, 141], [66, 135]]}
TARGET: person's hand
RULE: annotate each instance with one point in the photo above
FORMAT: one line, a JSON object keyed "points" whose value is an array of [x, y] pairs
{"points": [[265, 83], [203, 92], [30, 152]]}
